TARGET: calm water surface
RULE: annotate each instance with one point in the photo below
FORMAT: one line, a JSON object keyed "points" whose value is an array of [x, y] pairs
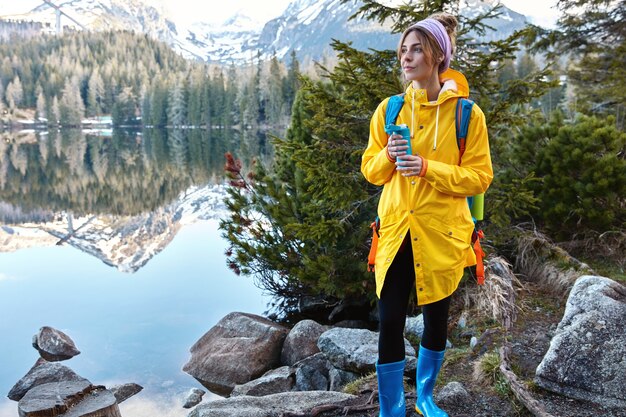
{"points": [[129, 326]]}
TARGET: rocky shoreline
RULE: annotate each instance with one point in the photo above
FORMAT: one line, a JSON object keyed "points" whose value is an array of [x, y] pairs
{"points": [[264, 369]]}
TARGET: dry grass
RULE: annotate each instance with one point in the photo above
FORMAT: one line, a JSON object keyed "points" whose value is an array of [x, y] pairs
{"points": [[606, 252], [496, 298], [540, 260]]}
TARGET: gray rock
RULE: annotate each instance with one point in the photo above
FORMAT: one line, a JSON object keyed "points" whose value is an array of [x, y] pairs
{"points": [[586, 359], [68, 399], [312, 373], [453, 394], [270, 405], [194, 397], [41, 373], [473, 342], [339, 378], [462, 324], [277, 380], [414, 326], [54, 345], [125, 391], [301, 342], [354, 350], [238, 349]]}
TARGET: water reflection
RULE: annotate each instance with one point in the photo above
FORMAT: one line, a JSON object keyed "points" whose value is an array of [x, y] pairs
{"points": [[121, 199], [127, 173]]}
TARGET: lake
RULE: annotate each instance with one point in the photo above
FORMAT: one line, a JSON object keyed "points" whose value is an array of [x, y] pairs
{"points": [[113, 238]]}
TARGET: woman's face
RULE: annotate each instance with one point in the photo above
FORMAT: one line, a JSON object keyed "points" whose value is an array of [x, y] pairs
{"points": [[415, 64]]}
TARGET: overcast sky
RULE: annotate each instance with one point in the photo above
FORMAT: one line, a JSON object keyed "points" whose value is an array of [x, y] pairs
{"points": [[539, 11]]}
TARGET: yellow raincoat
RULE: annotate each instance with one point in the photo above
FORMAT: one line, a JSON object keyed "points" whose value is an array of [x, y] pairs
{"points": [[434, 206]]}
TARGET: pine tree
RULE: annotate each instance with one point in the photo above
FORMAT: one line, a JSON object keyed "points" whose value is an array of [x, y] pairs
{"points": [[230, 96], [275, 252], [218, 98], [526, 66], [292, 82], [95, 95], [125, 108], [71, 107], [275, 102], [580, 168], [54, 114], [593, 34], [14, 93], [176, 112], [41, 104], [318, 201]]}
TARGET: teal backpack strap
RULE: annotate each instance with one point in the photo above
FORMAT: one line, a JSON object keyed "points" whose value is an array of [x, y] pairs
{"points": [[462, 120], [394, 105]]}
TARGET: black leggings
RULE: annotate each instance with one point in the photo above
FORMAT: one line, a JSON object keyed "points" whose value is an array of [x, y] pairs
{"points": [[392, 309]]}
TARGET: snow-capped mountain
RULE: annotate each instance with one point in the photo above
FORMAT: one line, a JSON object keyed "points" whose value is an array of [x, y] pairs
{"points": [[126, 243], [306, 26]]}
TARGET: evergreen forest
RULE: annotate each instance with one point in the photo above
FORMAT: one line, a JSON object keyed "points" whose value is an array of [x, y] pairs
{"points": [[138, 81]]}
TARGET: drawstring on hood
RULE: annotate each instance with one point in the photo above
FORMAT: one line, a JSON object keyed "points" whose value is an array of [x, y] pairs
{"points": [[436, 129], [454, 81], [412, 134]]}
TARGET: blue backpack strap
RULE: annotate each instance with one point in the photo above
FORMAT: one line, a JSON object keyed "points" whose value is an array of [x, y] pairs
{"points": [[462, 121], [394, 105]]}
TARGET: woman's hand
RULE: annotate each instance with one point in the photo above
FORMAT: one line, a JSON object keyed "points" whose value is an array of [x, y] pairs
{"points": [[396, 146], [410, 165]]}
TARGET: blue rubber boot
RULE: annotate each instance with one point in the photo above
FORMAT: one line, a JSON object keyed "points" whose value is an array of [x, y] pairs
{"points": [[391, 389], [428, 366]]}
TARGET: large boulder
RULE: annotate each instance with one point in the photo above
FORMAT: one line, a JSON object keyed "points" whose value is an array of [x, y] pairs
{"points": [[41, 373], [238, 349], [54, 345], [587, 355], [301, 341], [270, 405], [272, 382], [355, 350], [69, 399]]}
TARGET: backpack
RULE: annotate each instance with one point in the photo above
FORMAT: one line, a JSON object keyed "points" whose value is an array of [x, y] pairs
{"points": [[462, 120]]}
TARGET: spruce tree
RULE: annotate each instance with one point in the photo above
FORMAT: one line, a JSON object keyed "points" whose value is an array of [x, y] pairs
{"points": [[95, 95], [71, 107], [41, 104], [275, 101], [323, 206], [592, 33], [176, 111]]}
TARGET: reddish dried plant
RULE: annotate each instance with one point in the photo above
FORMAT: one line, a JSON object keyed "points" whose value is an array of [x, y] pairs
{"points": [[233, 171]]}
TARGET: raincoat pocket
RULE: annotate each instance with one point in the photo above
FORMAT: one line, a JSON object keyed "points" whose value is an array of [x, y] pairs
{"points": [[449, 243]]}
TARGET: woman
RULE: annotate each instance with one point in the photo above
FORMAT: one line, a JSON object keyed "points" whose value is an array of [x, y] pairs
{"points": [[425, 222]]}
